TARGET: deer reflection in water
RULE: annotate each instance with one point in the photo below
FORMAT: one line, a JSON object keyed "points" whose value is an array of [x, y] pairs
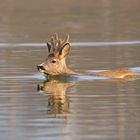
{"points": [[56, 90]]}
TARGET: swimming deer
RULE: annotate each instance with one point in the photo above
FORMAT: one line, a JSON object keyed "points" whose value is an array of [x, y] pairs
{"points": [[56, 62]]}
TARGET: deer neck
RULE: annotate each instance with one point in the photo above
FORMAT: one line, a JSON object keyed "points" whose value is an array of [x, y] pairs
{"points": [[66, 69]]}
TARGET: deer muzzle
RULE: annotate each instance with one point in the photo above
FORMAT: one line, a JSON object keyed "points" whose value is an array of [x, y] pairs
{"points": [[40, 67]]}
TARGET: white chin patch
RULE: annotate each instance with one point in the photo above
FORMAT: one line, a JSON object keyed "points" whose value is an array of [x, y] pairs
{"points": [[41, 70]]}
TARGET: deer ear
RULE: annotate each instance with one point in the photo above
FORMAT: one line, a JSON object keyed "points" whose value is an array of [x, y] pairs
{"points": [[49, 46], [64, 50]]}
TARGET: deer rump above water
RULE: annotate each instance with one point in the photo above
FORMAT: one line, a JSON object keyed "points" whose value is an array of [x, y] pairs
{"points": [[56, 62]]}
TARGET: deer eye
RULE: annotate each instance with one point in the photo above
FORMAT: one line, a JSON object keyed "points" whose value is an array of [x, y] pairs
{"points": [[53, 61]]}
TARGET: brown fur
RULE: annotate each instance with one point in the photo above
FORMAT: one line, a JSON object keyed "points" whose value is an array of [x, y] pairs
{"points": [[56, 62], [117, 73]]}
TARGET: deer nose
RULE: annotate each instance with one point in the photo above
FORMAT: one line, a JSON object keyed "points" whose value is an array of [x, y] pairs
{"points": [[40, 67]]}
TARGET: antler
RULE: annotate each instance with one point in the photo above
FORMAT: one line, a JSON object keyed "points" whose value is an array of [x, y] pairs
{"points": [[65, 41], [54, 40], [57, 42]]}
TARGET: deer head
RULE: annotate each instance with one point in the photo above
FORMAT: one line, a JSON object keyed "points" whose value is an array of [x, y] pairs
{"points": [[58, 50]]}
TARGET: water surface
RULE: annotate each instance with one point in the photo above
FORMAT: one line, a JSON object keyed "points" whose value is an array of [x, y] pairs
{"points": [[105, 35]]}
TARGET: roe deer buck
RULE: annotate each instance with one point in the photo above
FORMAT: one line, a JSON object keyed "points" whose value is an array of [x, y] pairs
{"points": [[56, 62]]}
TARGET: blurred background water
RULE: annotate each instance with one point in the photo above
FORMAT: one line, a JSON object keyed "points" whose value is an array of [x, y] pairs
{"points": [[105, 35]]}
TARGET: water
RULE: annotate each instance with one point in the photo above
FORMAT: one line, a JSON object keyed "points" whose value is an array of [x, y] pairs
{"points": [[104, 35]]}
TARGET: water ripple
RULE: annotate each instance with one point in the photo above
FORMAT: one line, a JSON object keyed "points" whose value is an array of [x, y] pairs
{"points": [[112, 43]]}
